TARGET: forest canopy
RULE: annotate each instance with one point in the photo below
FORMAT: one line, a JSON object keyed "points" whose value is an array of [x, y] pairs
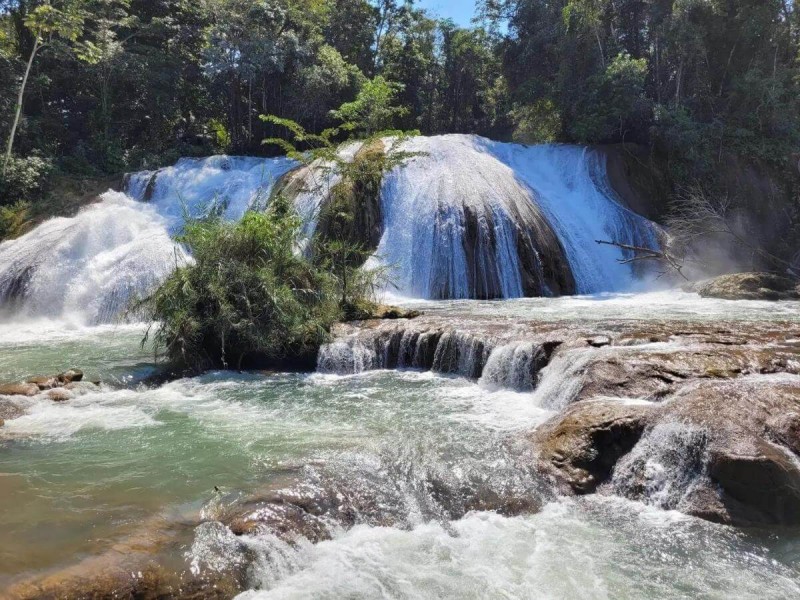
{"points": [[118, 85]]}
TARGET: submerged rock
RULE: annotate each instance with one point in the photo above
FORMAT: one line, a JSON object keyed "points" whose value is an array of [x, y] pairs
{"points": [[19, 389], [747, 286], [49, 383], [59, 395]]}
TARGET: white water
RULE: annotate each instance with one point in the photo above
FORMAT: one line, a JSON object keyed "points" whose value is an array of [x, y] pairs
{"points": [[424, 204], [570, 185], [85, 269], [230, 184]]}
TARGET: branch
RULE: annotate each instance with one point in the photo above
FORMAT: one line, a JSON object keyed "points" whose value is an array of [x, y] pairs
{"points": [[642, 253]]}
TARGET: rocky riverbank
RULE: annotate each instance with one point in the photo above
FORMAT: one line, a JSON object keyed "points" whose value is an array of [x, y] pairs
{"points": [[701, 416]]}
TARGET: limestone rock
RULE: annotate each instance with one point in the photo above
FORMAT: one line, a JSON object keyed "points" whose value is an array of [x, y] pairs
{"points": [[45, 382], [722, 450], [73, 375], [19, 389], [581, 446], [747, 286]]}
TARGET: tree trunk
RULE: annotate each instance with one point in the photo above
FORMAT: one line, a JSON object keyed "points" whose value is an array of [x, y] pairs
{"points": [[36, 45]]}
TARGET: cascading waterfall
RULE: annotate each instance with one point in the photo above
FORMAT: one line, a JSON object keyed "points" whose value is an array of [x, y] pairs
{"points": [[194, 186], [514, 365], [88, 268], [459, 224], [570, 186], [463, 218], [470, 218]]}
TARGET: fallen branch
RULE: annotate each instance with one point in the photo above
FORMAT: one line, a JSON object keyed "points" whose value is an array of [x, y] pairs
{"points": [[641, 253]]}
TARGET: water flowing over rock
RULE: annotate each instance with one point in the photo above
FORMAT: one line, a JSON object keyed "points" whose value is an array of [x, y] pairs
{"points": [[88, 268], [464, 218]]}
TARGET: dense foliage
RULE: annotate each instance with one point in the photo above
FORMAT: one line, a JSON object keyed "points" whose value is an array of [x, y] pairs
{"points": [[710, 88], [247, 298], [122, 84]]}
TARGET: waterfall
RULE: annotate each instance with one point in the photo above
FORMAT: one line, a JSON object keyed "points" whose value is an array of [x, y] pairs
{"points": [[459, 224], [513, 365], [87, 268], [570, 186], [464, 217], [471, 218], [194, 186]]}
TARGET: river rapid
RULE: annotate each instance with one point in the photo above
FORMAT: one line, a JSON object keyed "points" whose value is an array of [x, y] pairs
{"points": [[434, 468]]}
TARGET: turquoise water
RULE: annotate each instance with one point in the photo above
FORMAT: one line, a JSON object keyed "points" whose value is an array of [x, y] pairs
{"points": [[79, 477]]}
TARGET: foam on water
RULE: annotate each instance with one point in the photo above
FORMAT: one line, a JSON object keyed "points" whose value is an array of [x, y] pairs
{"points": [[592, 548]]}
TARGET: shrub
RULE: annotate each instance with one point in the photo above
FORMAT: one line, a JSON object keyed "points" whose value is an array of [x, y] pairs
{"points": [[25, 179], [248, 299]]}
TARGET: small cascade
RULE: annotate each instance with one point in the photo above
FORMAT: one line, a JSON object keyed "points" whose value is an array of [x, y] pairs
{"points": [[664, 467], [514, 366]]}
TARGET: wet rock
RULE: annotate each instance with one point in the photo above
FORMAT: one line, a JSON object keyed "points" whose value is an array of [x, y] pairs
{"points": [[71, 376], [19, 389], [747, 286], [59, 395], [725, 451], [753, 448], [599, 341], [581, 446], [45, 382]]}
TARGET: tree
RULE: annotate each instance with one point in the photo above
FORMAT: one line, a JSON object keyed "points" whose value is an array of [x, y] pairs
{"points": [[373, 110], [45, 22]]}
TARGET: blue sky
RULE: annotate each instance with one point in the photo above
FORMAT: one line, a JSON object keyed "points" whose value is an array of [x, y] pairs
{"points": [[461, 11]]}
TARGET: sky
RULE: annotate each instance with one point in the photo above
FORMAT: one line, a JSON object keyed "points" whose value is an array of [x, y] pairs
{"points": [[461, 11]]}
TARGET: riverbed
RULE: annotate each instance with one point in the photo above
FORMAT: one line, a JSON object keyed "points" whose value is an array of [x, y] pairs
{"points": [[81, 479]]}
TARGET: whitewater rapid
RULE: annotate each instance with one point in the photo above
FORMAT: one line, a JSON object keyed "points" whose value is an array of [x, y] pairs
{"points": [[465, 217]]}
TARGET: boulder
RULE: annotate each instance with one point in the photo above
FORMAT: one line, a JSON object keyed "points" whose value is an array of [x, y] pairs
{"points": [[45, 382], [71, 376], [722, 450], [747, 286], [19, 389], [580, 446], [59, 395]]}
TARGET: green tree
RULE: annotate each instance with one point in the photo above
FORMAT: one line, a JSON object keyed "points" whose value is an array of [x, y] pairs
{"points": [[45, 22], [373, 110]]}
